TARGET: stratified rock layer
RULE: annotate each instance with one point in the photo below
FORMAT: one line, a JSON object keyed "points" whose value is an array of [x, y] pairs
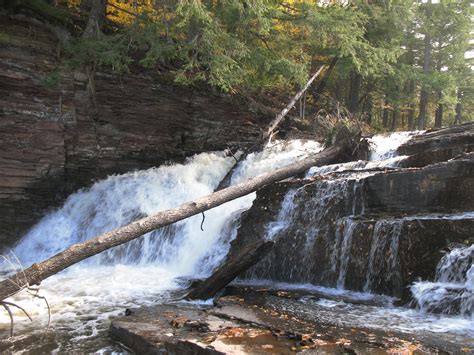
{"points": [[373, 231], [438, 145], [57, 135]]}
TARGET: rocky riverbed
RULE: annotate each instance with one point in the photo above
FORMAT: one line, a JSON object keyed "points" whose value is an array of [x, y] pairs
{"points": [[362, 252], [256, 320]]}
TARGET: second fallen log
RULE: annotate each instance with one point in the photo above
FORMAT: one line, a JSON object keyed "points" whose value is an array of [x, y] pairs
{"points": [[232, 268]]}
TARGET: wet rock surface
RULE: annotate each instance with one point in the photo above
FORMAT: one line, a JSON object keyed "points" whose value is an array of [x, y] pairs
{"points": [[438, 145], [56, 137], [375, 231], [442, 187], [257, 322]]}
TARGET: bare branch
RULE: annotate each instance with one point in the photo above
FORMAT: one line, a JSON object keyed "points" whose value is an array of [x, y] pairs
{"points": [[17, 306], [4, 305]]}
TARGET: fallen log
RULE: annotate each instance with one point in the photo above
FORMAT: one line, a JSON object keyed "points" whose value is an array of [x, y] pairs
{"points": [[78, 252], [225, 274]]}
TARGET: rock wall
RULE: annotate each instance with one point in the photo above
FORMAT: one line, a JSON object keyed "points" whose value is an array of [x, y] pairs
{"points": [[377, 231], [55, 137]]}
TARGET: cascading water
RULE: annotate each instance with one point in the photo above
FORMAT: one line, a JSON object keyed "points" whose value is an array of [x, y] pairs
{"points": [[382, 155], [385, 146], [143, 271], [344, 239], [452, 291], [386, 239], [324, 220], [121, 199], [147, 270]]}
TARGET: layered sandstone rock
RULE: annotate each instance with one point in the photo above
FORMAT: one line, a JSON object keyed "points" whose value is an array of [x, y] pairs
{"points": [[55, 137], [375, 231]]}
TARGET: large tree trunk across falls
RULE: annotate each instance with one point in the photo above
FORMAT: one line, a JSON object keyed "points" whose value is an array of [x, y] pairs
{"points": [[78, 252]]}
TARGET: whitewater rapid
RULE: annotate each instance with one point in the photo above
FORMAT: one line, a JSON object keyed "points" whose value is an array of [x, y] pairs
{"points": [[144, 271], [152, 268]]}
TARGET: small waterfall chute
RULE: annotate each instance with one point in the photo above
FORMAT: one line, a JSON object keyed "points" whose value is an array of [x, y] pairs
{"points": [[452, 291]]}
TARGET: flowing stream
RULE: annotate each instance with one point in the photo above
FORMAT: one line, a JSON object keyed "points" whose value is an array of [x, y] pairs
{"points": [[150, 269], [146, 270]]}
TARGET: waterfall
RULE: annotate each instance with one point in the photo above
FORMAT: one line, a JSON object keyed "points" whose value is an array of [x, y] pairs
{"points": [[147, 269], [318, 226], [382, 155], [284, 217], [324, 220], [385, 146], [118, 200], [383, 266], [452, 291], [345, 235], [303, 232]]}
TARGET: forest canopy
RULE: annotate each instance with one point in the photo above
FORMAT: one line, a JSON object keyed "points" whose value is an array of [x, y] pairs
{"points": [[394, 64]]}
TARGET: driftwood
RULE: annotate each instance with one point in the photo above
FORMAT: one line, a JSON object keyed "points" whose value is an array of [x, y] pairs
{"points": [[78, 252], [268, 133], [225, 274]]}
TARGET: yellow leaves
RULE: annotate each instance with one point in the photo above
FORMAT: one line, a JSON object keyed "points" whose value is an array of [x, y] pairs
{"points": [[125, 11], [409, 349], [319, 342], [342, 341], [179, 322], [237, 332]]}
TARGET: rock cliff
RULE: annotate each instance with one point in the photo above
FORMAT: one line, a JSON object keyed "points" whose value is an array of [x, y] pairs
{"points": [[375, 231], [55, 137]]}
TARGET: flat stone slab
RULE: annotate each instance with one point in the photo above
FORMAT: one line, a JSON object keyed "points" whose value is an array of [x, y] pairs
{"points": [[236, 326]]}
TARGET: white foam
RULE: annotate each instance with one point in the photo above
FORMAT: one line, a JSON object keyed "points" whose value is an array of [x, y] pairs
{"points": [[452, 291], [384, 146], [382, 154], [86, 295]]}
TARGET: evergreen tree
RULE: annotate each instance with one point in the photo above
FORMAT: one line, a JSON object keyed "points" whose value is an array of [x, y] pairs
{"points": [[393, 64]]}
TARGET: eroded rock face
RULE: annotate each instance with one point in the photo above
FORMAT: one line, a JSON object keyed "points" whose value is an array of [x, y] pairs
{"points": [[438, 145], [376, 233], [55, 137]]}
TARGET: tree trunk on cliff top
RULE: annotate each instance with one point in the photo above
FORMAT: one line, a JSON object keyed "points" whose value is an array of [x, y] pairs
{"points": [[97, 12], [274, 124], [78, 252], [424, 94], [267, 134], [322, 85]]}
